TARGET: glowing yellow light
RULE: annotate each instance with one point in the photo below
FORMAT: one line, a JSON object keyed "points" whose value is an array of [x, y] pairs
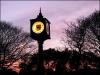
{"points": [[38, 27]]}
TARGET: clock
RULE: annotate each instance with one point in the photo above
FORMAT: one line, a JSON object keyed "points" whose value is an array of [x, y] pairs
{"points": [[38, 27]]}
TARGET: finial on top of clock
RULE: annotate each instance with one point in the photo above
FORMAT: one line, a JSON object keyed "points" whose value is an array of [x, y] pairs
{"points": [[40, 13]]}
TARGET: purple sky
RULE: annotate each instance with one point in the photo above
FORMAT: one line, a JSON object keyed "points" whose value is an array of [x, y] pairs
{"points": [[19, 14]]}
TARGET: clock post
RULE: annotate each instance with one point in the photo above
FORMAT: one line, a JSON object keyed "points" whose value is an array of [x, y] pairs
{"points": [[40, 31]]}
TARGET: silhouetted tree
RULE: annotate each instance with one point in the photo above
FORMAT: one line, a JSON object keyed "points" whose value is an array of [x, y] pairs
{"points": [[85, 33], [75, 34], [13, 42], [93, 31], [95, 24]]}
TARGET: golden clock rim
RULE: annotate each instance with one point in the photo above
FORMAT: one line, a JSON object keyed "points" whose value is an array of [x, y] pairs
{"points": [[34, 27]]}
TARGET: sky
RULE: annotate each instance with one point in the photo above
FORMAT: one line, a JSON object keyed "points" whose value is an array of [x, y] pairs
{"points": [[58, 13]]}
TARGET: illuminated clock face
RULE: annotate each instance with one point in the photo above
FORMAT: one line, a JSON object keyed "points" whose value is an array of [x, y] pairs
{"points": [[38, 27]]}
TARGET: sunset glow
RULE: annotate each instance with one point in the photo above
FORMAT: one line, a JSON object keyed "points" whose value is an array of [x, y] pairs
{"points": [[58, 12]]}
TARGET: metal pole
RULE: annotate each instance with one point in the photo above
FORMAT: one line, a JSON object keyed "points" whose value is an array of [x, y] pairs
{"points": [[40, 58]]}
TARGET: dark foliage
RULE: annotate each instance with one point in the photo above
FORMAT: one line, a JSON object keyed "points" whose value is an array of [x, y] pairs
{"points": [[61, 58]]}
